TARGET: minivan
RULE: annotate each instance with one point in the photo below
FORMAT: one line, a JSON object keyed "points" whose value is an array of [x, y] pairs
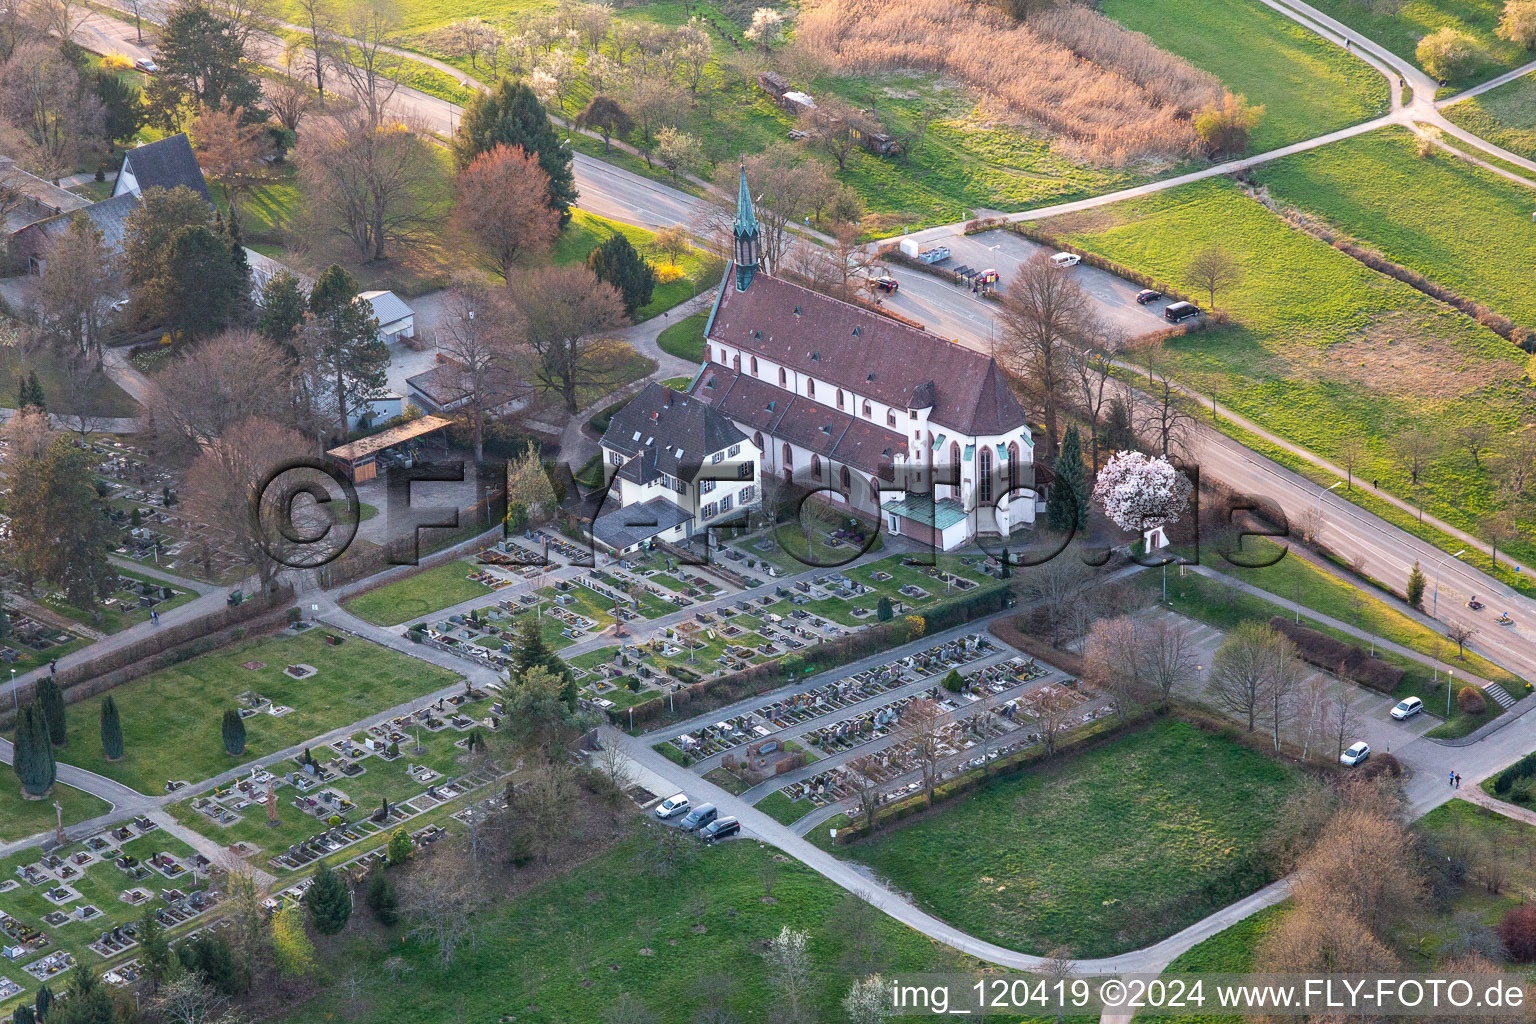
{"points": [[1177, 311], [720, 828], [1407, 708], [699, 817], [672, 806], [1063, 260]]}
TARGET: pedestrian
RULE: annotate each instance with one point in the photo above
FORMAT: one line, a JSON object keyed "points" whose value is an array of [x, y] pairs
{"points": [[1349, 44], [1450, 779], [53, 667], [1458, 780], [1375, 485]]}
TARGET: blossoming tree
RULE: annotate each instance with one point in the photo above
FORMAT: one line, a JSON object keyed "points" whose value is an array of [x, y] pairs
{"points": [[1139, 493]]}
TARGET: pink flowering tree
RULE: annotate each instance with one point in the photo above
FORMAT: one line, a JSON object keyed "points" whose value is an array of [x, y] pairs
{"points": [[1139, 493]]}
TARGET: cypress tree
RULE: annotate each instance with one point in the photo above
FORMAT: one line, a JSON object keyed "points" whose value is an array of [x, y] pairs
{"points": [[509, 113], [1416, 583], [44, 1000], [381, 897], [954, 682], [528, 648], [111, 730], [883, 609], [51, 699], [617, 262], [328, 901], [23, 1014], [33, 756], [234, 732], [1067, 507]]}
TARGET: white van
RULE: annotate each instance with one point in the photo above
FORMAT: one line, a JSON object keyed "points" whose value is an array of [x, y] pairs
{"points": [[672, 806], [1065, 260]]}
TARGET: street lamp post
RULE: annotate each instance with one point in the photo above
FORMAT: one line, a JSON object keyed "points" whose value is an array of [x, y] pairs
{"points": [[1434, 608], [1317, 536], [15, 693], [1450, 684]]}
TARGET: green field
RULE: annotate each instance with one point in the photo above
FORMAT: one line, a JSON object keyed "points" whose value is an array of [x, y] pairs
{"points": [[784, 810], [685, 339], [114, 620], [105, 399], [1308, 86], [21, 818], [1505, 116], [586, 232], [1450, 221], [1227, 952], [1320, 347], [1400, 32], [566, 950], [421, 594], [1100, 852], [171, 717]]}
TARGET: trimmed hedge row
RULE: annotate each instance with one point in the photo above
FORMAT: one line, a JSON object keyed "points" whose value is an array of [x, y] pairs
{"points": [[170, 646], [712, 693], [1521, 769], [1347, 660]]}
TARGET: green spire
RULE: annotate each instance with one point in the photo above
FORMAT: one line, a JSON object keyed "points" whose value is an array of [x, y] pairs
{"points": [[746, 220]]}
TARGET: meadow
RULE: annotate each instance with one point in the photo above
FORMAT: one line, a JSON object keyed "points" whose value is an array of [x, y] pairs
{"points": [[1401, 30], [171, 717], [1452, 222], [1505, 116], [568, 949], [420, 594], [1319, 347], [1099, 852], [1307, 85]]}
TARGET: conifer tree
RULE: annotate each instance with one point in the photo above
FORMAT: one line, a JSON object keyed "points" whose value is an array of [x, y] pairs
{"points": [[234, 732], [111, 730]]}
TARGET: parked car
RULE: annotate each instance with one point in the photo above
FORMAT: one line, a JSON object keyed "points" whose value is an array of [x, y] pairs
{"points": [[720, 828], [937, 254], [147, 66], [1407, 708], [699, 817], [988, 276], [672, 806], [1358, 753], [887, 284], [1147, 295], [1178, 311], [1066, 259]]}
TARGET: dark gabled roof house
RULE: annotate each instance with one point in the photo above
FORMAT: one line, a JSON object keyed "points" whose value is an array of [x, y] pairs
{"points": [[164, 164], [674, 431]]}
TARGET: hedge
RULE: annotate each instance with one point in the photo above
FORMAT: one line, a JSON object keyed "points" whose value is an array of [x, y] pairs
{"points": [[697, 698], [1521, 769], [1348, 661]]}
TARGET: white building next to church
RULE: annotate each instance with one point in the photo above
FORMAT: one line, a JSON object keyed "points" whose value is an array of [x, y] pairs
{"points": [[884, 419], [674, 467]]}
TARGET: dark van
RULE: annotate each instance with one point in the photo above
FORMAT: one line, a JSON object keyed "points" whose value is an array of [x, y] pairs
{"points": [[699, 817], [1178, 311]]}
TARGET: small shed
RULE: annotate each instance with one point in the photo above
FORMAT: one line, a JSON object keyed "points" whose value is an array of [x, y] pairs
{"points": [[360, 458], [396, 319], [773, 83]]}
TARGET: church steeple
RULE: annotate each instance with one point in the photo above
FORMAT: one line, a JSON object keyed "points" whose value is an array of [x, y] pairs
{"points": [[745, 233]]}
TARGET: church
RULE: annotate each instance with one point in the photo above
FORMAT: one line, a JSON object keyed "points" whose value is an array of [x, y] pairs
{"points": [[879, 418]]}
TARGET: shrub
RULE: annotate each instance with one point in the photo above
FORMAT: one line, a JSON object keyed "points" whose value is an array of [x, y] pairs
{"points": [[1381, 764], [1518, 23], [1447, 53], [116, 62], [1518, 932], [953, 682], [1471, 700], [1522, 792], [1224, 127], [1348, 660]]}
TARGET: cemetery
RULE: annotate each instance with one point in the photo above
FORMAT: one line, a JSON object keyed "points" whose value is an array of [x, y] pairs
{"points": [[353, 789], [81, 903], [170, 718]]}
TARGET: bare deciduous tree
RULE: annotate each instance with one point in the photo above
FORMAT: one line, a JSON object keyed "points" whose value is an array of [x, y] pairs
{"points": [[479, 338], [437, 899], [921, 730], [1044, 309], [1170, 657], [366, 58], [1242, 672], [567, 316], [364, 179], [227, 379], [1114, 655], [789, 973], [42, 95]]}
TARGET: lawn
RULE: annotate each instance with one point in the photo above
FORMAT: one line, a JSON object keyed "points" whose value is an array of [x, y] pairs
{"points": [[1308, 86], [1320, 347], [171, 717], [1401, 31], [1100, 852], [421, 594], [784, 810], [1229, 951], [685, 339], [693, 271], [1505, 116], [114, 620], [105, 398], [1455, 223], [1296, 578], [1216, 603], [668, 942], [21, 818]]}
